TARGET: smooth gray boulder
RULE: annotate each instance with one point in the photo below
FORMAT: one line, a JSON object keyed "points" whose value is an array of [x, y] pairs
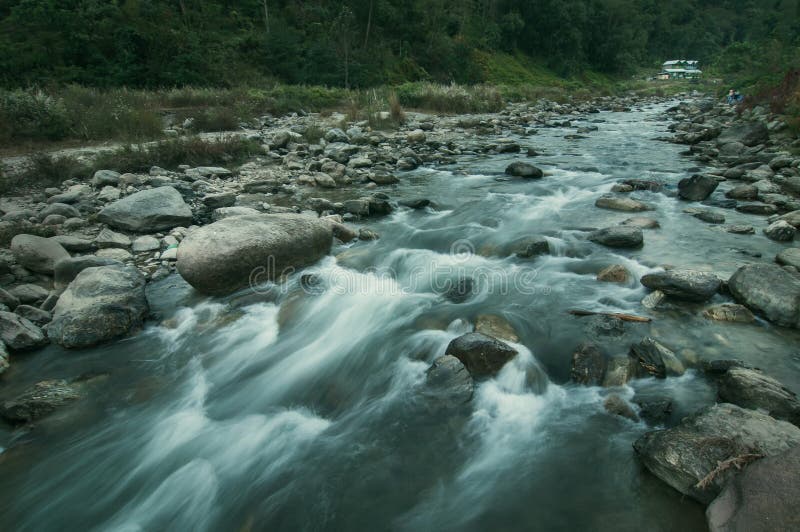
{"points": [[789, 257], [697, 188], [448, 382], [102, 303], [37, 253], [748, 133], [103, 178], [752, 389], [684, 284], [620, 236], [246, 250], [690, 453], [482, 355], [762, 498], [19, 334], [769, 290], [148, 211]]}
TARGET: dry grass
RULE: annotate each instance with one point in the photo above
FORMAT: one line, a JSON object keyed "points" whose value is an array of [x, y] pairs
{"points": [[737, 462]]}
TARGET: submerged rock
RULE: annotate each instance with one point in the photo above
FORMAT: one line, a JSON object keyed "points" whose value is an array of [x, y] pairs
{"points": [[616, 405], [729, 312], [102, 303], [770, 290], [243, 250], [616, 273], [38, 401], [621, 204], [762, 498], [448, 382], [686, 455], [684, 284], [481, 354], [789, 257], [588, 365]]}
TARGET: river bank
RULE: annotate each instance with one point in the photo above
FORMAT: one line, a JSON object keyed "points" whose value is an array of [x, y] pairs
{"points": [[426, 224]]}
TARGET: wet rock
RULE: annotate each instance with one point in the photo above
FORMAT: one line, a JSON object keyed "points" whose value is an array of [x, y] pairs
{"points": [[710, 217], [697, 188], [528, 247], [496, 327], [111, 239], [791, 217], [101, 304], [526, 170], [789, 257], [769, 290], [39, 400], [741, 229], [367, 234], [685, 455], [752, 389], [615, 203], [729, 312], [588, 365], [763, 209], [718, 367], [419, 203], [656, 411], [743, 192], [653, 359], [37, 253], [616, 405], [35, 315], [481, 354], [618, 237], [780, 231], [148, 211], [19, 334], [616, 273], [67, 269], [9, 300], [383, 178], [762, 498], [448, 382], [460, 290], [618, 371], [642, 222], [234, 252], [683, 284]]}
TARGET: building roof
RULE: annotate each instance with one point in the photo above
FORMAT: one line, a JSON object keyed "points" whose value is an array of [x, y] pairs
{"points": [[680, 61]]}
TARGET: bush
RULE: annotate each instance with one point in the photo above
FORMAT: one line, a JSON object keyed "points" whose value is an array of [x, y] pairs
{"points": [[450, 98], [51, 170], [32, 115], [9, 230], [170, 154]]}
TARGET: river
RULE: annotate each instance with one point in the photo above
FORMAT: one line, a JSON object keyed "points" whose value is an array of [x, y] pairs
{"points": [[305, 412]]}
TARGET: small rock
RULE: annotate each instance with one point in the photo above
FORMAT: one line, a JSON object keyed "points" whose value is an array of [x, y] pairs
{"points": [[496, 327], [36, 316], [789, 257], [588, 365], [741, 229], [780, 231], [653, 359], [616, 273], [618, 237], [19, 334], [521, 169], [448, 381], [684, 284], [642, 222], [616, 405], [110, 239], [621, 204], [697, 188], [752, 389], [729, 312], [481, 354], [618, 371]]}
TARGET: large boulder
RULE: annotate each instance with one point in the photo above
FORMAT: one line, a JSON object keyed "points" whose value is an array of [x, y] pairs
{"points": [[748, 133], [19, 333], [620, 236], [780, 231], [482, 355], [750, 388], [769, 290], [235, 252], [684, 284], [102, 303], [148, 211], [762, 498], [789, 257], [697, 188], [448, 382], [37, 253], [688, 456]]}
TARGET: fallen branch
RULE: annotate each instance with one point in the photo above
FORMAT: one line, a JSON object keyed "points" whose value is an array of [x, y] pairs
{"points": [[623, 317], [737, 461]]}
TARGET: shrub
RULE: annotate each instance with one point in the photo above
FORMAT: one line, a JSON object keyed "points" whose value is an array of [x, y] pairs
{"points": [[9, 230], [32, 115], [172, 153], [51, 170]]}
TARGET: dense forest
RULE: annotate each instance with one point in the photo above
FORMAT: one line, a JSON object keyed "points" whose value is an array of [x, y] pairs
{"points": [[361, 43]]}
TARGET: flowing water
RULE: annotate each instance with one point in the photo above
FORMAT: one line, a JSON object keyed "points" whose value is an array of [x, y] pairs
{"points": [[305, 411]]}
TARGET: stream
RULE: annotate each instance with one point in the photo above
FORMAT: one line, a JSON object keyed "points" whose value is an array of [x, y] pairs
{"points": [[305, 411]]}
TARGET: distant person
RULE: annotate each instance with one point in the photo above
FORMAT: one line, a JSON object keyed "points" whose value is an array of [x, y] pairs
{"points": [[734, 97]]}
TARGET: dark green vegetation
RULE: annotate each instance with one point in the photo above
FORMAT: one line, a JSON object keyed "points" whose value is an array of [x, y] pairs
{"points": [[360, 43]]}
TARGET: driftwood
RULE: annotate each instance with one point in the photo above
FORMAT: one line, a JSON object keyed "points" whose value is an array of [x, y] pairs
{"points": [[623, 317]]}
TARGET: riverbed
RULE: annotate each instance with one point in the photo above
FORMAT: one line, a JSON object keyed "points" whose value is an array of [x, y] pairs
{"points": [[304, 410]]}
